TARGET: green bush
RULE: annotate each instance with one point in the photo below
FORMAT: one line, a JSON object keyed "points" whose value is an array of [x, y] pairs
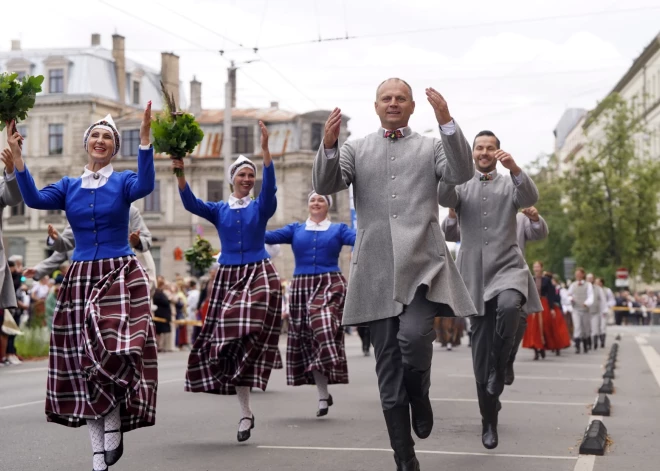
{"points": [[34, 343]]}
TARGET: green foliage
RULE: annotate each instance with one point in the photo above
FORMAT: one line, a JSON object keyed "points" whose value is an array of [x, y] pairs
{"points": [[557, 246], [17, 97], [34, 343], [613, 198], [200, 255], [176, 135]]}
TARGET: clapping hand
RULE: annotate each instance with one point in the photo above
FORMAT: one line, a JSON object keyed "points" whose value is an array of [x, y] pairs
{"points": [[134, 238], [439, 106], [507, 161], [8, 160], [452, 214], [332, 129], [52, 232], [532, 213], [145, 127]]}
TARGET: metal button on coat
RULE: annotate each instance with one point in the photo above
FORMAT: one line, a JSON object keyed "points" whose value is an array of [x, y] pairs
{"points": [[393, 196], [394, 216], [485, 228], [393, 177], [484, 198], [391, 158], [486, 243]]}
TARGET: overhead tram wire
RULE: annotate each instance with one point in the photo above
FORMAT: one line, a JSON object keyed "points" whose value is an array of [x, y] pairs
{"points": [[453, 27]]}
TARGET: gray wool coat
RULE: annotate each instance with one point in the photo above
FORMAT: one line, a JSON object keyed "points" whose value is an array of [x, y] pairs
{"points": [[399, 244], [490, 259], [10, 195]]}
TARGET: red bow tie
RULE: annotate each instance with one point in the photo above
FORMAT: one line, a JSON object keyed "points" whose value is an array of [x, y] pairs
{"points": [[394, 135]]}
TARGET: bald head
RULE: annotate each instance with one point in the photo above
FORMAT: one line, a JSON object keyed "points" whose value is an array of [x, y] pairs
{"points": [[394, 79]]}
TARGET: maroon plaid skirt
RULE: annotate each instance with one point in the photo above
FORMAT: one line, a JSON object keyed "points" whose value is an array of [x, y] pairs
{"points": [[102, 346], [316, 337], [238, 342]]}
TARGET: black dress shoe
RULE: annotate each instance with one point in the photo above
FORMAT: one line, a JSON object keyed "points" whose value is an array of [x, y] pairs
{"points": [[244, 435], [543, 354], [509, 375], [112, 456], [489, 434], [106, 466], [324, 411], [410, 465]]}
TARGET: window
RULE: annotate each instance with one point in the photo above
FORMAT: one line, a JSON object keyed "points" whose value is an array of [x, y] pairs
{"points": [[317, 135], [243, 139], [214, 190], [18, 210], [55, 139], [152, 201], [56, 81], [21, 75], [155, 253], [130, 143], [136, 93]]}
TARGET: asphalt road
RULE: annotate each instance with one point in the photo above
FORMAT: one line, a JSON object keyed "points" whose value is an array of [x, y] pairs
{"points": [[545, 413]]}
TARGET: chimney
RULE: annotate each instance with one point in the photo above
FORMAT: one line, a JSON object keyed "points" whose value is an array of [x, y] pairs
{"points": [[96, 39], [169, 74], [232, 84], [195, 97], [120, 65], [15, 44], [275, 105]]}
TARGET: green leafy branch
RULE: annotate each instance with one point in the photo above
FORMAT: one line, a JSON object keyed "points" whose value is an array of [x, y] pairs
{"points": [[17, 97], [200, 255]]}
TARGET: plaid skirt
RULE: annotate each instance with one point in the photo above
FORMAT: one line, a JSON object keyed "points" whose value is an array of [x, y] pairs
{"points": [[238, 342], [102, 346], [316, 337]]}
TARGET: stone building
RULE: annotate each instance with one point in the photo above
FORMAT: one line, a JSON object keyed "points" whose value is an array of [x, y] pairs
{"points": [[84, 84]]}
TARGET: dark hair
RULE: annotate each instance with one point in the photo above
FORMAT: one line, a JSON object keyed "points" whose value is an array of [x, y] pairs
{"points": [[486, 133], [398, 80], [581, 269], [539, 262], [192, 283], [11, 263]]}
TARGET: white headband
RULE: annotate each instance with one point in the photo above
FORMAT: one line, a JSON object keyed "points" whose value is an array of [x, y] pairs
{"points": [[328, 199], [240, 163]]}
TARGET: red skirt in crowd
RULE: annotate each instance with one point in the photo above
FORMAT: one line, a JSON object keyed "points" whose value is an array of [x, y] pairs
{"points": [[102, 346], [238, 342], [546, 330], [316, 337]]}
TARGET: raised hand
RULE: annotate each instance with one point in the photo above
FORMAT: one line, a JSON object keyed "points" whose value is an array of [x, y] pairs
{"points": [[29, 272], [177, 164], [439, 106], [264, 136], [15, 141], [52, 232], [8, 160], [507, 161], [532, 213], [332, 129], [145, 127], [134, 238], [452, 214]]}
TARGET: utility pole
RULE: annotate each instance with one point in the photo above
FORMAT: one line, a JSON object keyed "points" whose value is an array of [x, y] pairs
{"points": [[227, 142]]}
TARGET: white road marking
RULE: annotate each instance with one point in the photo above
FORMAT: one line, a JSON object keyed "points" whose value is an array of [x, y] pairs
{"points": [[178, 380], [548, 378], [651, 356], [427, 452], [536, 403], [548, 364], [27, 370], [14, 406], [585, 463]]}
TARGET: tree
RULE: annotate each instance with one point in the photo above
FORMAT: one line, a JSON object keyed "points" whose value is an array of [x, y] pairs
{"points": [[552, 250], [612, 197]]}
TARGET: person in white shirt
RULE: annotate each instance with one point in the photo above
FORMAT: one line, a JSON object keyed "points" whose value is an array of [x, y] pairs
{"points": [[606, 308], [581, 294], [193, 301]]}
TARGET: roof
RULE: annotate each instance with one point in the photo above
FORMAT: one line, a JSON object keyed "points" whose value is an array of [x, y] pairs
{"points": [[268, 115], [566, 124]]}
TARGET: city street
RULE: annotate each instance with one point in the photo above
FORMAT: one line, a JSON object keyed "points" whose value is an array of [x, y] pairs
{"points": [[543, 419]]}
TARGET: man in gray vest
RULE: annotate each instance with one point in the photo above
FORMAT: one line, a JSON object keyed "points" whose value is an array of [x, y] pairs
{"points": [[581, 294], [493, 267], [402, 275], [64, 243], [596, 312], [530, 226]]}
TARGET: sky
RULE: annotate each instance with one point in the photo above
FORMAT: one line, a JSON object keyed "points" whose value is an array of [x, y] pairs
{"points": [[510, 66]]}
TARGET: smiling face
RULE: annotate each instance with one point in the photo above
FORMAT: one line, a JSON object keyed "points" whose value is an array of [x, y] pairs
{"points": [[483, 153], [394, 104], [100, 145], [244, 182], [318, 207], [538, 269]]}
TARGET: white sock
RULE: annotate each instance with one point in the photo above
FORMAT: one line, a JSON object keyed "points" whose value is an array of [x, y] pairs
{"points": [[96, 432], [322, 387], [112, 422], [243, 394]]}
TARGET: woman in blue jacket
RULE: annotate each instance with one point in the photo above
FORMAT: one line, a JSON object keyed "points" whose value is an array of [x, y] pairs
{"points": [[315, 348], [237, 347], [102, 368]]}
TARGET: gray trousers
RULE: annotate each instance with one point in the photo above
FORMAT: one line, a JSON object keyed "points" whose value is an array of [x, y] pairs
{"points": [[494, 333], [403, 340], [581, 323]]}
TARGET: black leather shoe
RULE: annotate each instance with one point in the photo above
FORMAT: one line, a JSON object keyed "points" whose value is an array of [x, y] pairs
{"points": [[509, 375], [543, 354], [324, 411], [106, 465], [489, 436], [417, 386], [244, 435], [410, 465], [112, 456]]}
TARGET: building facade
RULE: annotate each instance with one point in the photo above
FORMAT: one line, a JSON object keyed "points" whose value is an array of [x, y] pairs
{"points": [[83, 85]]}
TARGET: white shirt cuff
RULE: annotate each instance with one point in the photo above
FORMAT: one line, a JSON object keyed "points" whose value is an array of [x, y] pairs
{"points": [[330, 153], [536, 224], [145, 147], [449, 128], [9, 176], [50, 241], [451, 221]]}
